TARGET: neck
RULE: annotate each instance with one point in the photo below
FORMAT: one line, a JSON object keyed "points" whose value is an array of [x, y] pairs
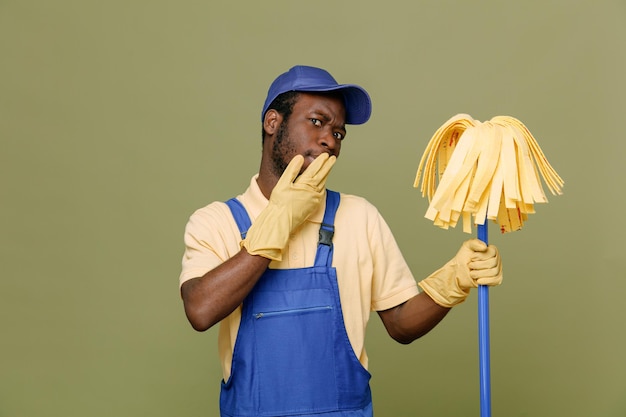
{"points": [[266, 180]]}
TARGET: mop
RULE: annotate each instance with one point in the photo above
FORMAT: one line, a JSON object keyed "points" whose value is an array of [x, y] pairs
{"points": [[477, 171]]}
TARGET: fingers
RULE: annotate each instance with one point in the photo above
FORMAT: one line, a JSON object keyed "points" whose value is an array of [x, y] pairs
{"points": [[487, 271], [480, 250], [316, 165], [485, 266], [324, 171], [484, 263], [320, 167], [315, 175], [491, 281], [476, 245], [293, 169], [489, 254]]}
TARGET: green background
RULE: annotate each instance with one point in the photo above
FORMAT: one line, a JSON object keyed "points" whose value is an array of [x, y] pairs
{"points": [[119, 118]]}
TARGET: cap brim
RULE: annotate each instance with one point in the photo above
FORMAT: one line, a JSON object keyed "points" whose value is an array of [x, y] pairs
{"points": [[357, 101]]}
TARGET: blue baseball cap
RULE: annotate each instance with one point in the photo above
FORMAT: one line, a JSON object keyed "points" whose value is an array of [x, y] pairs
{"points": [[315, 80]]}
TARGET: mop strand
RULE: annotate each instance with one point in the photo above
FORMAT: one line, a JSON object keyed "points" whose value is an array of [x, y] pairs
{"points": [[484, 170]]}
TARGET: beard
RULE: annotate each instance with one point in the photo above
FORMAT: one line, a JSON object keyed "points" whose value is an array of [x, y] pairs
{"points": [[283, 150]]}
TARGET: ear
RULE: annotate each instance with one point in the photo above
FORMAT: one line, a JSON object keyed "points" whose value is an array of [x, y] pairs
{"points": [[272, 121]]}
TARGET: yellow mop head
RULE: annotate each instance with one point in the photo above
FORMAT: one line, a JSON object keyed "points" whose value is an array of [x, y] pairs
{"points": [[485, 170]]}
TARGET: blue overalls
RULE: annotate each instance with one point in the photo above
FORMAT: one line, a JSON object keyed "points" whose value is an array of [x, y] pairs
{"points": [[292, 356]]}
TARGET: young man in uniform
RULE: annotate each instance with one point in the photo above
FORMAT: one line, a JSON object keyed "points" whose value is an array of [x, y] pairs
{"points": [[292, 271]]}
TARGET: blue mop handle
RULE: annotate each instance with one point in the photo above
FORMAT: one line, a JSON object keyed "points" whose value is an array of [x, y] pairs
{"points": [[483, 338]]}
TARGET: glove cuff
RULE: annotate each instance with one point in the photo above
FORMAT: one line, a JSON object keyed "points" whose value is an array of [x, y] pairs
{"points": [[442, 286], [271, 254]]}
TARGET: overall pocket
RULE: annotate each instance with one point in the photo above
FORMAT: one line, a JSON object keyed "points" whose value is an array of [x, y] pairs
{"points": [[295, 348]]}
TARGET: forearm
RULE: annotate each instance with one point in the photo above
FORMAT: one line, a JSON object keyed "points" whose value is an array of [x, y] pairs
{"points": [[413, 319], [212, 297]]}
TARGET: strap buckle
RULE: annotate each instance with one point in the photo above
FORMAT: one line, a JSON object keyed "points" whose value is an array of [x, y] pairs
{"points": [[327, 232]]}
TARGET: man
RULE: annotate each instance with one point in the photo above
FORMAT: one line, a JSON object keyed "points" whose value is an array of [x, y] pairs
{"points": [[292, 271]]}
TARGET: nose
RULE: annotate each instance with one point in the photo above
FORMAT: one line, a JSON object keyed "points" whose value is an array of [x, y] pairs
{"points": [[330, 143]]}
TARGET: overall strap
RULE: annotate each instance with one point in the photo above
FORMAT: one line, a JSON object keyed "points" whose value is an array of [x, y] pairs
{"points": [[241, 216], [324, 256]]}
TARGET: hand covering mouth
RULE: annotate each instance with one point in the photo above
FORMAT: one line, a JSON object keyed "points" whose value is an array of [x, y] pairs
{"points": [[309, 157]]}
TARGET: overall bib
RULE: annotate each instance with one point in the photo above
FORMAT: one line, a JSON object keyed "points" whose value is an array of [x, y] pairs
{"points": [[292, 356]]}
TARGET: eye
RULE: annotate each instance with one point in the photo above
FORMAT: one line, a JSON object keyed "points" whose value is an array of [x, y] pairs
{"points": [[316, 122], [338, 135]]}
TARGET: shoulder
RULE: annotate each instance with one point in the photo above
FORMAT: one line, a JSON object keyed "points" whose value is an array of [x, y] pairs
{"points": [[361, 217], [356, 202], [215, 211], [213, 227], [212, 217], [357, 208]]}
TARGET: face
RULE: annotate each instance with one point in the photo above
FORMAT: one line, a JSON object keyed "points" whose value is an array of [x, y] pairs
{"points": [[316, 125]]}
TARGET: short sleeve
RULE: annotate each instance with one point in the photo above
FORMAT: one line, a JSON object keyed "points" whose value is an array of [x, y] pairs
{"points": [[211, 237], [392, 281]]}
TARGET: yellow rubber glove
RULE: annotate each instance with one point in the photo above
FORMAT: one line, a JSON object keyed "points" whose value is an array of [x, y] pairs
{"points": [[475, 263], [293, 200]]}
